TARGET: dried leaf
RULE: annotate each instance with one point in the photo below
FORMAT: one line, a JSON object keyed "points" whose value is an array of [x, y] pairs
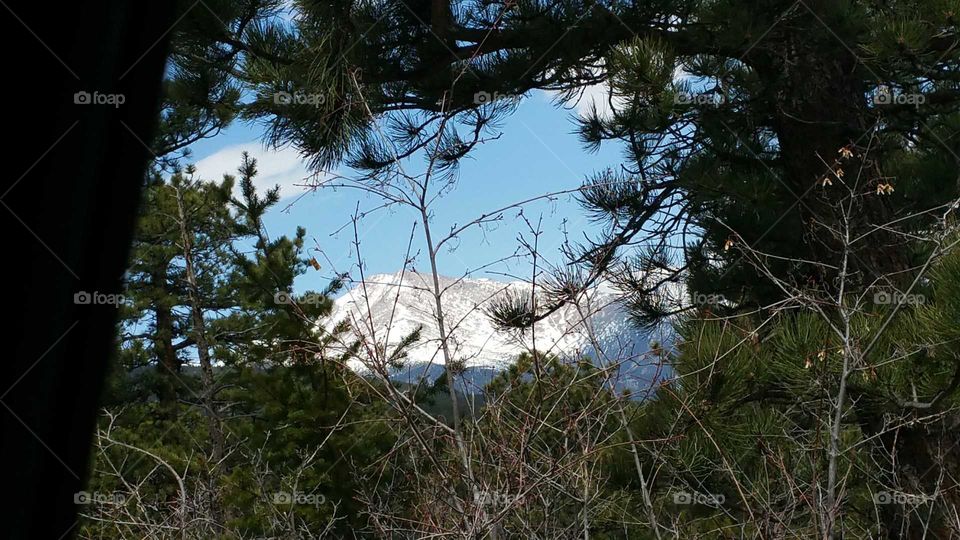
{"points": [[884, 189]]}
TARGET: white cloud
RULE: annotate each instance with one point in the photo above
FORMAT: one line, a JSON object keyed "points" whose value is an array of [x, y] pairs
{"points": [[595, 95], [584, 101], [598, 95], [282, 167]]}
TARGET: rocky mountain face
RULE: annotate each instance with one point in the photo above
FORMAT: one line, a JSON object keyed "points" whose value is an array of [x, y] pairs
{"points": [[388, 307]]}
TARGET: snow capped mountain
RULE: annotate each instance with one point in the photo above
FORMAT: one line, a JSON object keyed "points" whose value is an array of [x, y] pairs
{"points": [[388, 307]]}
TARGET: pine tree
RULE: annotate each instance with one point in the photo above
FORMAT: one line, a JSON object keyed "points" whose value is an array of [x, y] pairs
{"points": [[161, 330], [236, 358], [201, 95], [746, 419]]}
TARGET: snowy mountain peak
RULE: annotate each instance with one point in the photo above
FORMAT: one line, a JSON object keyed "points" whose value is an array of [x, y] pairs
{"points": [[388, 307]]}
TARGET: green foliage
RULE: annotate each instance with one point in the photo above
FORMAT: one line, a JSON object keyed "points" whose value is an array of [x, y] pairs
{"points": [[748, 414], [295, 421]]}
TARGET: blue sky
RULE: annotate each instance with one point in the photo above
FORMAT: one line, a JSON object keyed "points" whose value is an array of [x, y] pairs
{"points": [[537, 153]]}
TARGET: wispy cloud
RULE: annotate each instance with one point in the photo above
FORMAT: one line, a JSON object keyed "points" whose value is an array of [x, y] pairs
{"points": [[282, 167]]}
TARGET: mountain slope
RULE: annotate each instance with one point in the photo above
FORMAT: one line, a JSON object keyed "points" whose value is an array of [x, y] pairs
{"points": [[388, 307]]}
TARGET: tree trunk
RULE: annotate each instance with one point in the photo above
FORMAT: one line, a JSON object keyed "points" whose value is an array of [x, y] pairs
{"points": [[821, 107], [198, 333], [168, 363]]}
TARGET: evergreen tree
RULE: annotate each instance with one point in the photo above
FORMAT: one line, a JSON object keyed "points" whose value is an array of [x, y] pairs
{"points": [[159, 327], [211, 298], [201, 95]]}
